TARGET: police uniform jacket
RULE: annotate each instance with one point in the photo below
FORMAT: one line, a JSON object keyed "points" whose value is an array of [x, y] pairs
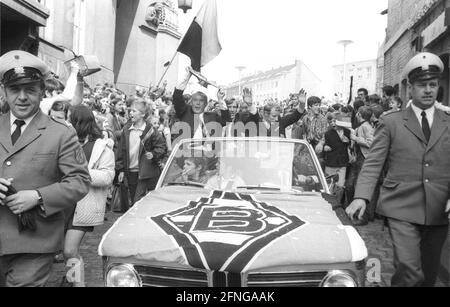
{"points": [[47, 157], [416, 188]]}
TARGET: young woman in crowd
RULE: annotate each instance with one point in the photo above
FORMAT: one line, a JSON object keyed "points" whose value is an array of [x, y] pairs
{"points": [[90, 211]]}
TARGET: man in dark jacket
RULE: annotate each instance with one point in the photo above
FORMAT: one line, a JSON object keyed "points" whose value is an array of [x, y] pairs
{"points": [[274, 125], [194, 121], [140, 149]]}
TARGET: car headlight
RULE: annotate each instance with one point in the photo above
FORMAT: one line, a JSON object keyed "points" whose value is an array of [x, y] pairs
{"points": [[122, 276], [339, 279]]}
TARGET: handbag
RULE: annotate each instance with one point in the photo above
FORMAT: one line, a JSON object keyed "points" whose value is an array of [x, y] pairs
{"points": [[90, 211], [116, 206], [121, 200]]}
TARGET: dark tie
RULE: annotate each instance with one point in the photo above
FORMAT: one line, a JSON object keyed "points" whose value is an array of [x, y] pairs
{"points": [[18, 132], [426, 126]]}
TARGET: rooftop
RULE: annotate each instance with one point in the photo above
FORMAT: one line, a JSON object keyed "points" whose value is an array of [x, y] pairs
{"points": [[266, 75]]}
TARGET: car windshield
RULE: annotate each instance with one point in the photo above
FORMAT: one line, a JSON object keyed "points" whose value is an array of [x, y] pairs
{"points": [[244, 165]]}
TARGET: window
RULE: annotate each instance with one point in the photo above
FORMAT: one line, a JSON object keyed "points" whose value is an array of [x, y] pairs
{"points": [[369, 72]]}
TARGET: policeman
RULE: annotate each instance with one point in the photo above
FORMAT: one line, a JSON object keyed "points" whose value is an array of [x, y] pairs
{"points": [[416, 142], [42, 172]]}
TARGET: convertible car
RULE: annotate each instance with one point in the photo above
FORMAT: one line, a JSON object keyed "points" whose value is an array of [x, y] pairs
{"points": [[236, 213]]}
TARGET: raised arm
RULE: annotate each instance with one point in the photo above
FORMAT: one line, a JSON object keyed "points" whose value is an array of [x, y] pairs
{"points": [[298, 114], [178, 100]]}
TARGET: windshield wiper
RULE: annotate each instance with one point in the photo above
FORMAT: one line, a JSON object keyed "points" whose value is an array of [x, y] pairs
{"points": [[260, 187], [187, 184], [269, 188]]}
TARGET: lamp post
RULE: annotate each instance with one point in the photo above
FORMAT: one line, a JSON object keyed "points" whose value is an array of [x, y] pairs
{"points": [[240, 69], [345, 43], [185, 5]]}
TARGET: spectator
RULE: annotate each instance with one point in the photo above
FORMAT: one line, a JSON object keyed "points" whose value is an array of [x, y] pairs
{"points": [[377, 112], [60, 110], [73, 92], [139, 152], [116, 118], [316, 124], [374, 100], [356, 106], [362, 137], [90, 211], [363, 95], [395, 104], [335, 148], [193, 117], [388, 92]]}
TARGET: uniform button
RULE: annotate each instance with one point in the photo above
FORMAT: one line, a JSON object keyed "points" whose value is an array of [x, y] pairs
{"points": [[8, 163], [426, 180]]}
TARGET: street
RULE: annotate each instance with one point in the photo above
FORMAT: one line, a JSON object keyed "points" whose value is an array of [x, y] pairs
{"points": [[377, 241]]}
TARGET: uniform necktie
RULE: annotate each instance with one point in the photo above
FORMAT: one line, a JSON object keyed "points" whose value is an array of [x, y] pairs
{"points": [[18, 132], [426, 126]]}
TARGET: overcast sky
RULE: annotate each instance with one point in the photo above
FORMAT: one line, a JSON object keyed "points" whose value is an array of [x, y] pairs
{"points": [[264, 34]]}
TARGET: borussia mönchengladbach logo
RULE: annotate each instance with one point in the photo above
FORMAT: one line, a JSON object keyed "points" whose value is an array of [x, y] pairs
{"points": [[226, 231]]}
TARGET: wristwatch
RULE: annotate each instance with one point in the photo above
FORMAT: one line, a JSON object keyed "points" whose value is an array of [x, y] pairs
{"points": [[40, 201]]}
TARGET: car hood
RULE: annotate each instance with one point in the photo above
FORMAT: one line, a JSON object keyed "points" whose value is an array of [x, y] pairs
{"points": [[232, 232]]}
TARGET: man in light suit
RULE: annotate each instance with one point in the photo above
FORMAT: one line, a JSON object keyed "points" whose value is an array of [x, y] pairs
{"points": [[42, 159], [415, 144]]}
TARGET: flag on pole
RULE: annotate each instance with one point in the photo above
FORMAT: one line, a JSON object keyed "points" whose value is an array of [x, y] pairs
{"points": [[201, 42]]}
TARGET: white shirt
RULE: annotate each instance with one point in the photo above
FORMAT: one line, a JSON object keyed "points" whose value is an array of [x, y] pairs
{"points": [[429, 112], [135, 146], [438, 106], [199, 133], [27, 122]]}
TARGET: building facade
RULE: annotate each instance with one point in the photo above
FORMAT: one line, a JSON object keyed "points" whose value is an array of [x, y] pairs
{"points": [[132, 39], [364, 76], [278, 83], [413, 27], [20, 23]]}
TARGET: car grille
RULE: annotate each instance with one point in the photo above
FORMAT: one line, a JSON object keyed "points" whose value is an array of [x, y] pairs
{"points": [[301, 279], [171, 277]]}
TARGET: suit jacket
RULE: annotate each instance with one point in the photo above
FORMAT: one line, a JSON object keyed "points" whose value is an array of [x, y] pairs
{"points": [[213, 121], [151, 141], [279, 130], [48, 158], [416, 186], [244, 125]]}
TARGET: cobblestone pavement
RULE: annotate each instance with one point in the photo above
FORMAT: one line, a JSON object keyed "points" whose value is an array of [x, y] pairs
{"points": [[376, 238]]}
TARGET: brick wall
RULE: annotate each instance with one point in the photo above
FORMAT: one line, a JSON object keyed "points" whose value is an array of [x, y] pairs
{"points": [[396, 58]]}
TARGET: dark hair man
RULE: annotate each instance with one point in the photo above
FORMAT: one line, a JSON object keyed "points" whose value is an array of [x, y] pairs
{"points": [[363, 94]]}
